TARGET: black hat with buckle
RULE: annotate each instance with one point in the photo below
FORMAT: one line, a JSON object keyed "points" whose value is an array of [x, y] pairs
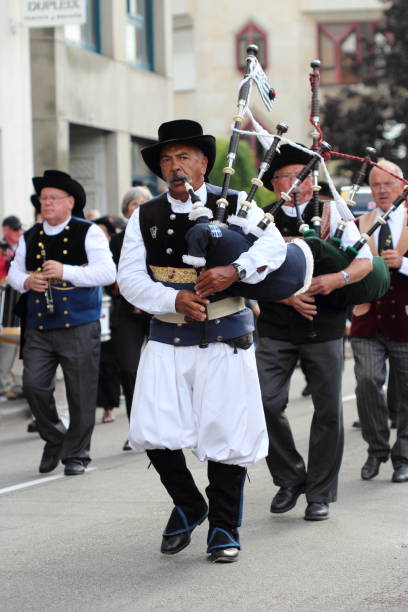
{"points": [[179, 131], [288, 156], [62, 180]]}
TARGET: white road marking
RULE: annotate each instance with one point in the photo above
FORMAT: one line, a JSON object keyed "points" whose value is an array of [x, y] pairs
{"points": [[37, 481]]}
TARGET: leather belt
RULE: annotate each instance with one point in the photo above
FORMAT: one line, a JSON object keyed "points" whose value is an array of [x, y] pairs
{"points": [[215, 310]]}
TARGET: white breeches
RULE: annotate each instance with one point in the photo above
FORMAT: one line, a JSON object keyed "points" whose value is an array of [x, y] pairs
{"points": [[204, 399]]}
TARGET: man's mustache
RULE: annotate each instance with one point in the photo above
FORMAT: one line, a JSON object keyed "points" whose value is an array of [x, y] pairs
{"points": [[177, 176]]}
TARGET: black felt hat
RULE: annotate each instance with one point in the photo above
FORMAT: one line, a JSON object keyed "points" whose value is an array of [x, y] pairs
{"points": [[288, 155], [62, 180], [179, 130]]}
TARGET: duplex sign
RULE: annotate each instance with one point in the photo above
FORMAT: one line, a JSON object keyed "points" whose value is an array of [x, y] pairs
{"points": [[53, 13]]}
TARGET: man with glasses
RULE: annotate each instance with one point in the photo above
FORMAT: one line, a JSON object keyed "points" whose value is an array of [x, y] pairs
{"points": [[379, 332], [285, 336], [59, 266]]}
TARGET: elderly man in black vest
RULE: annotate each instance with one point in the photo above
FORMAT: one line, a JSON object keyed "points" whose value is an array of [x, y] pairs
{"points": [[284, 331], [59, 266], [206, 399]]}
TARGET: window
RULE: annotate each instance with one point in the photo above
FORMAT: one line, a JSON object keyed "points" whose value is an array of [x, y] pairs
{"points": [[342, 49], [251, 34], [184, 66], [139, 33], [86, 35], [141, 174]]}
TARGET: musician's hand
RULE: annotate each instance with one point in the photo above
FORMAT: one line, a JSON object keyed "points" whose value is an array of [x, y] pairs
{"points": [[304, 304], [392, 258], [192, 305], [36, 282], [216, 279], [53, 269], [326, 283]]}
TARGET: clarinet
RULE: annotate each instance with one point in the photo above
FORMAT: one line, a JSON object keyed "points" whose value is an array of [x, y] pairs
{"points": [[243, 97], [49, 300], [316, 136]]}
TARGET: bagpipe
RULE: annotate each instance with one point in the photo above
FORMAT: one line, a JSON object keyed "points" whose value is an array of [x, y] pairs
{"points": [[214, 242]]}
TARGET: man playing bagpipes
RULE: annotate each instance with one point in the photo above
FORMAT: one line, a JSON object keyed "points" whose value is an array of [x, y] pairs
{"points": [[379, 331], [192, 393], [306, 327]]}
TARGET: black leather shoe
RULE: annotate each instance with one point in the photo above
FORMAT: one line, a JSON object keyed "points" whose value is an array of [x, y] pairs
{"points": [[32, 427], [126, 446], [400, 474], [371, 467], [173, 544], [74, 468], [49, 461], [286, 499], [356, 425], [317, 511], [224, 555]]}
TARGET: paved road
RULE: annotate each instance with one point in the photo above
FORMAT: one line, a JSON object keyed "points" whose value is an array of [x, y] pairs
{"points": [[91, 543]]}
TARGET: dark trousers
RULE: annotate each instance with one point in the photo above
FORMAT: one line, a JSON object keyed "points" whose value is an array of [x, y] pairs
{"points": [[323, 364], [128, 335], [108, 380], [224, 492], [77, 351], [370, 360]]}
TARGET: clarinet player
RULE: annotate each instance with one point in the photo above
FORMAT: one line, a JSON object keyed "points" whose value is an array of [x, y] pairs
{"points": [[59, 266]]}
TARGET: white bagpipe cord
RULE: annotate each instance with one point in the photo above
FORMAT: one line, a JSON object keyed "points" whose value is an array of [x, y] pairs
{"points": [[265, 138]]}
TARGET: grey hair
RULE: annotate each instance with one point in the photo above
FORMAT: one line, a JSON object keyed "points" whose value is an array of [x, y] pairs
{"points": [[141, 191], [388, 165]]}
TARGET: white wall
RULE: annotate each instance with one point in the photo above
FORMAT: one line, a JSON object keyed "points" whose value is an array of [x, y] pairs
{"points": [[16, 161]]}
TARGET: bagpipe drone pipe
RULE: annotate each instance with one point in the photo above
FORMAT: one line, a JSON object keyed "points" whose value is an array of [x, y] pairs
{"points": [[216, 242]]}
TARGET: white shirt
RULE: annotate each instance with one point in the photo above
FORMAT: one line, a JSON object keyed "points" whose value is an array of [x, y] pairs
{"points": [[350, 234], [395, 223], [100, 269], [153, 297]]}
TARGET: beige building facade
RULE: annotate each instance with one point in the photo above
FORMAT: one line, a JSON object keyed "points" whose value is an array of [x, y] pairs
{"points": [[86, 99], [209, 44]]}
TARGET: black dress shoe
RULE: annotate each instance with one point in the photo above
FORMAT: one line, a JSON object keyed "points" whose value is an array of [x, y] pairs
{"points": [[400, 473], [174, 543], [49, 461], [371, 467], [32, 427], [224, 555], [286, 499], [74, 468], [356, 425], [317, 511], [177, 534], [126, 446]]}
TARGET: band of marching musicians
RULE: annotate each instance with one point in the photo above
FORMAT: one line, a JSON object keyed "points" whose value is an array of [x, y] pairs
{"points": [[188, 260]]}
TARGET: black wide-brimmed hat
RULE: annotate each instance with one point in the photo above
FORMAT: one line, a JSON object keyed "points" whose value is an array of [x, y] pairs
{"points": [[62, 180], [179, 130], [288, 155]]}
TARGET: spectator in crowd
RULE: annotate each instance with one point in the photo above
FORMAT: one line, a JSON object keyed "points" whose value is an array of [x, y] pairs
{"points": [[129, 324], [10, 383]]}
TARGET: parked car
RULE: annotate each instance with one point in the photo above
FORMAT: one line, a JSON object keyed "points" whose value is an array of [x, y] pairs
{"points": [[363, 200]]}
